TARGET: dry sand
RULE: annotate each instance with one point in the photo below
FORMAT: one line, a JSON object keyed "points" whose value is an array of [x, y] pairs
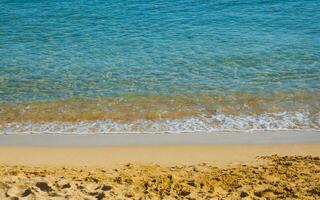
{"points": [[217, 154], [290, 177], [185, 171]]}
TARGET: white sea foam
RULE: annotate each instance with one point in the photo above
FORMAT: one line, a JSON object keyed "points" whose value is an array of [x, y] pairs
{"points": [[217, 122]]}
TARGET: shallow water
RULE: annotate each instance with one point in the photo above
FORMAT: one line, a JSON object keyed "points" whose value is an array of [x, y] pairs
{"points": [[159, 66]]}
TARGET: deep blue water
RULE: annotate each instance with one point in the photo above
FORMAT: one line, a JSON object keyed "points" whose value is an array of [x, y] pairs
{"points": [[62, 49]]}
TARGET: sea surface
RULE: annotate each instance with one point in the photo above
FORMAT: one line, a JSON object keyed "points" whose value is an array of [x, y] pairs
{"points": [[159, 66]]}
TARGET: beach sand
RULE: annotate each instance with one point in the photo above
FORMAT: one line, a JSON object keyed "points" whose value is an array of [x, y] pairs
{"points": [[159, 171]]}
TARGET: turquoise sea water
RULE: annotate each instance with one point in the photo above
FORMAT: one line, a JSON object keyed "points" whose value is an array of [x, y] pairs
{"points": [[95, 49]]}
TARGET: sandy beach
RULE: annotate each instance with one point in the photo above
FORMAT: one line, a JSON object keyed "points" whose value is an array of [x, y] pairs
{"points": [[148, 100], [168, 155], [202, 166]]}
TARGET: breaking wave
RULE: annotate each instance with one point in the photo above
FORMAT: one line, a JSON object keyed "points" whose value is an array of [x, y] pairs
{"points": [[217, 122]]}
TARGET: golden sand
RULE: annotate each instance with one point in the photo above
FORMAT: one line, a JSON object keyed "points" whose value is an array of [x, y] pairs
{"points": [[287, 177], [164, 155]]}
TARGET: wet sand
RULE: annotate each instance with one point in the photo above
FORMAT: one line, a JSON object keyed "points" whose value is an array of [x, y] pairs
{"points": [[160, 171]]}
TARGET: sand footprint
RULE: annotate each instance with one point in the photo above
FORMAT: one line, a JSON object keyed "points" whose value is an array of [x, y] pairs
{"points": [[18, 191]]}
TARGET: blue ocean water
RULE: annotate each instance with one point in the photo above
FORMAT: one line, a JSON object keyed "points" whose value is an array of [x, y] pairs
{"points": [[66, 49], [89, 48]]}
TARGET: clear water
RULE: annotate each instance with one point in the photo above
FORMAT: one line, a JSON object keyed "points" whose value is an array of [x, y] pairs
{"points": [[64, 54]]}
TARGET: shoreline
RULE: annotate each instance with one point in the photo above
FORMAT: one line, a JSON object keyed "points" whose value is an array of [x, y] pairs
{"points": [[196, 138], [164, 149]]}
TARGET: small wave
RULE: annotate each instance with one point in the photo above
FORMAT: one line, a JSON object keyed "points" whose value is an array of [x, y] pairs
{"points": [[214, 123]]}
